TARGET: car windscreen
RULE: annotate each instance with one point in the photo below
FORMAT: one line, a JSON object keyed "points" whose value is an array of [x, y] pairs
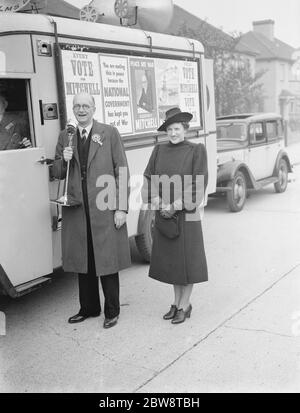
{"points": [[231, 135], [232, 131]]}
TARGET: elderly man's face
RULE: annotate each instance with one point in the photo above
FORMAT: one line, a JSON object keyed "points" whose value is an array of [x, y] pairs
{"points": [[84, 109]]}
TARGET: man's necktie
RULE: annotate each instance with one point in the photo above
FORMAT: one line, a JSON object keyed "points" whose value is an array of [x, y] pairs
{"points": [[84, 134]]}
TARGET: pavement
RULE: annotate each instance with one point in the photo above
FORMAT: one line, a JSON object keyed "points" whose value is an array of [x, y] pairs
{"points": [[248, 342], [243, 336], [255, 350]]}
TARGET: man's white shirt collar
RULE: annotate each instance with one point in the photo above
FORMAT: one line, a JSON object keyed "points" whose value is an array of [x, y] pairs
{"points": [[87, 128]]}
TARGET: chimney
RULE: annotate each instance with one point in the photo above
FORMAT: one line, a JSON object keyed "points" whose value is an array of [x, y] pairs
{"points": [[265, 27]]}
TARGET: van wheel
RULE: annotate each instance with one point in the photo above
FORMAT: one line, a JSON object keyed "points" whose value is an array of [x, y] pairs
{"points": [[144, 240], [282, 183], [236, 197]]}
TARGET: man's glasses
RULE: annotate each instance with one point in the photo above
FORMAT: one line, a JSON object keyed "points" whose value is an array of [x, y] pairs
{"points": [[84, 107]]}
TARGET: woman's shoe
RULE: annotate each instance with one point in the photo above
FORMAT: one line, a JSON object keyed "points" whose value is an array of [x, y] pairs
{"points": [[188, 311], [171, 314], [182, 315]]}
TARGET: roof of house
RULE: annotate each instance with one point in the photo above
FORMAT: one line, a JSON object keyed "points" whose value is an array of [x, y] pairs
{"points": [[55, 8], [242, 47], [265, 48], [213, 36], [182, 17]]}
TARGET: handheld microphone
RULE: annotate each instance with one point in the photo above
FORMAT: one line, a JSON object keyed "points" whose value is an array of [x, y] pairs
{"points": [[71, 126], [71, 129]]}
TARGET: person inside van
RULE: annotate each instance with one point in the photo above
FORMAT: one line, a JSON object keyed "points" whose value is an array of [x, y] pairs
{"points": [[13, 130]]}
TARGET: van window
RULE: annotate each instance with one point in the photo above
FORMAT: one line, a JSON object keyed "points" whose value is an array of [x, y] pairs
{"points": [[14, 119], [231, 131]]}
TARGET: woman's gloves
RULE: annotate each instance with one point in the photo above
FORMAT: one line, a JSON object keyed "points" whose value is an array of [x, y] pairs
{"points": [[167, 210]]}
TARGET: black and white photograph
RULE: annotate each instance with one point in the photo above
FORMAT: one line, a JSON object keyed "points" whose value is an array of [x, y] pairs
{"points": [[149, 199]]}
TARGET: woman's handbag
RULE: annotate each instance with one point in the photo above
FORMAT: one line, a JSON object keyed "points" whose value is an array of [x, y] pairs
{"points": [[169, 227]]}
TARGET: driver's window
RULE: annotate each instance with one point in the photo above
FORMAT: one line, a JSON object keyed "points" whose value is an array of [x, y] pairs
{"points": [[14, 120]]}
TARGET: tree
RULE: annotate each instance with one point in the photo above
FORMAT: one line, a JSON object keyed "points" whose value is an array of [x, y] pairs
{"points": [[236, 89]]}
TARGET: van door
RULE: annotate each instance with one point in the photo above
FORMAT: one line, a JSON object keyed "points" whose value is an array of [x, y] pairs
{"points": [[25, 221]]}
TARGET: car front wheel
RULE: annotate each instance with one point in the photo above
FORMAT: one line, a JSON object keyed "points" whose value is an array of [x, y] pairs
{"points": [[281, 184], [236, 197]]}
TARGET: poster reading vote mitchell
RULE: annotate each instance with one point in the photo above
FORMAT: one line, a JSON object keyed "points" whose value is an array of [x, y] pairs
{"points": [[177, 85], [144, 104], [81, 74], [115, 89], [189, 90]]}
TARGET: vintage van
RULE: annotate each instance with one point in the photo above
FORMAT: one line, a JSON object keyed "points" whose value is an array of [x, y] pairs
{"points": [[44, 61]]}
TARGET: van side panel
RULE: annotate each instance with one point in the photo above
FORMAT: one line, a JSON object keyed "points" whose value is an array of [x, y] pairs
{"points": [[15, 55], [44, 89]]}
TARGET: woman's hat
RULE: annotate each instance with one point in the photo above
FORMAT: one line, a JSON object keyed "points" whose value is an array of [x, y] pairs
{"points": [[174, 115]]}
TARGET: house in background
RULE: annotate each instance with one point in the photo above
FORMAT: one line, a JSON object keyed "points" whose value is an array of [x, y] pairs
{"points": [[295, 88], [211, 36], [232, 62], [281, 65]]}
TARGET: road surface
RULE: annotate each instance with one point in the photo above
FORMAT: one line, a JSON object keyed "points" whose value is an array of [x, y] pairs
{"points": [[243, 334]]}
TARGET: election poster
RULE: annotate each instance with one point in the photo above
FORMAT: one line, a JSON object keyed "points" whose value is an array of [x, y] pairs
{"points": [[177, 85], [116, 92], [144, 102], [82, 75], [189, 90], [132, 93]]}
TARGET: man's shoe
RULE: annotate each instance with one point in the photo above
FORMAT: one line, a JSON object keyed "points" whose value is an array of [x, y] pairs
{"points": [[78, 318], [110, 322]]}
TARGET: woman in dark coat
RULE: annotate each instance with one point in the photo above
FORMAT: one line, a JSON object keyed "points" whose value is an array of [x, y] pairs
{"points": [[177, 259]]}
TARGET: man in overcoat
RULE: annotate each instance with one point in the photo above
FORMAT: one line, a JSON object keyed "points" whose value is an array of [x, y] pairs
{"points": [[94, 232]]}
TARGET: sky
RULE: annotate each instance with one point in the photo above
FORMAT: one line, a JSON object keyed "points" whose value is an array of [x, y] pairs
{"points": [[238, 15]]}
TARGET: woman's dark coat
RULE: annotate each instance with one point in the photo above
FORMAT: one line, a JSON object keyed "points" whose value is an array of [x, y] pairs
{"points": [[179, 261]]}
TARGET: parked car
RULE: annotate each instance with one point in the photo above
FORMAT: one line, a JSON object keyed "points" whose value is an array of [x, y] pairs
{"points": [[250, 156]]}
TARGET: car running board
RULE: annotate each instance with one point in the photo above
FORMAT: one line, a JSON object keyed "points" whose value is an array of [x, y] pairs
{"points": [[264, 182]]}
